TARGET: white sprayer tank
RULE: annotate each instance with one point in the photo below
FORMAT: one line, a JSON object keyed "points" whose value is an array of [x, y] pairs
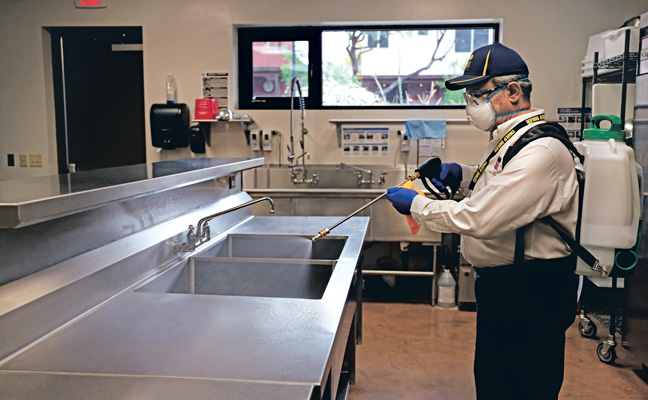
{"points": [[612, 197]]}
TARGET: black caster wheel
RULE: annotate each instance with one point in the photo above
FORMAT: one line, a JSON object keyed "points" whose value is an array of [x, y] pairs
{"points": [[588, 331], [607, 358]]}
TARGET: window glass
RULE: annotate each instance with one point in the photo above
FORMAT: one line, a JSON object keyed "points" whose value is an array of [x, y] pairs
{"points": [[463, 39], [274, 64], [404, 67], [481, 38]]}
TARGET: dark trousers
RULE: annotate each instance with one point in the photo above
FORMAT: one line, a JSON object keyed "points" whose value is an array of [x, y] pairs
{"points": [[523, 312]]}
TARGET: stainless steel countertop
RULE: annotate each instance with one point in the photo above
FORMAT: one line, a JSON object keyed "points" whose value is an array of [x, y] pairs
{"points": [[28, 201], [208, 338]]}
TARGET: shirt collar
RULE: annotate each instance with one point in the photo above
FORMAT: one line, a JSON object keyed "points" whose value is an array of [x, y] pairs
{"points": [[503, 128]]}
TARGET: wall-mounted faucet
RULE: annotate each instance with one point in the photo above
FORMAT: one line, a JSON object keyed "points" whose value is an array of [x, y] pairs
{"points": [[295, 168], [361, 180], [203, 231]]}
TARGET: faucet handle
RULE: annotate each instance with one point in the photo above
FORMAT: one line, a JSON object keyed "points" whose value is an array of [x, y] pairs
{"points": [[206, 233]]}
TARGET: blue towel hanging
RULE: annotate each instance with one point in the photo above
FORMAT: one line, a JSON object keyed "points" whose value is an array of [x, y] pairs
{"points": [[425, 128]]}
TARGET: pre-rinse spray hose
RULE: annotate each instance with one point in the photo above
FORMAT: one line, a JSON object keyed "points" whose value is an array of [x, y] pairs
{"points": [[414, 176]]}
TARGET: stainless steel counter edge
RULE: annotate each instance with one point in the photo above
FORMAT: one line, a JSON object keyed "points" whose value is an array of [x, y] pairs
{"points": [[32, 386], [23, 213]]}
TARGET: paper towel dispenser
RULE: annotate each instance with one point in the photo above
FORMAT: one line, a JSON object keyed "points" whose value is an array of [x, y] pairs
{"points": [[169, 125]]}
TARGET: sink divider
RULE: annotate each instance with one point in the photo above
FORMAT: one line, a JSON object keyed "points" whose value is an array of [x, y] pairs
{"points": [[300, 261]]}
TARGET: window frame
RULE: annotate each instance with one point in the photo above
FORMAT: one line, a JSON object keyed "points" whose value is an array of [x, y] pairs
{"points": [[246, 35]]}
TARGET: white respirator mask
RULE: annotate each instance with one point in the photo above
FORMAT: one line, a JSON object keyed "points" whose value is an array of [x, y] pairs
{"points": [[480, 111]]}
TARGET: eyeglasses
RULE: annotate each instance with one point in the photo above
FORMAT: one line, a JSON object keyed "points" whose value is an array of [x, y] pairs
{"points": [[473, 96], [482, 93]]}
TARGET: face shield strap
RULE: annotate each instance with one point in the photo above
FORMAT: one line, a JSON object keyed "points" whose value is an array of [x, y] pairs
{"points": [[511, 113]]}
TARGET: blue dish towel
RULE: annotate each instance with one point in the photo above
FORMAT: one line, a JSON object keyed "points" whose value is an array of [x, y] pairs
{"points": [[425, 128]]}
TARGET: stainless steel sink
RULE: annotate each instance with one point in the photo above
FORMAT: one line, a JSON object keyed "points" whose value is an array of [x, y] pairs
{"points": [[240, 277], [277, 246], [257, 266]]}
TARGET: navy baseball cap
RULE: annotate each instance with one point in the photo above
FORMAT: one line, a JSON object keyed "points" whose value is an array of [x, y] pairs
{"points": [[487, 62]]}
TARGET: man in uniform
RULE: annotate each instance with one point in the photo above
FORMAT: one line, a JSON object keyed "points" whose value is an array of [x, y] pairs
{"points": [[525, 285]]}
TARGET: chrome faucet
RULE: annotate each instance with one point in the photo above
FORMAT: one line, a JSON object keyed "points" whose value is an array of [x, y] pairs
{"points": [[361, 180], [295, 168], [202, 234]]}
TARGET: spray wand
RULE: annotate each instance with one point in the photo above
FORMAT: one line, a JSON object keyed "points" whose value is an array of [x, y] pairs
{"points": [[429, 169]]}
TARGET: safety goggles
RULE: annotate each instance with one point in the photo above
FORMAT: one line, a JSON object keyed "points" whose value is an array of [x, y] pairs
{"points": [[474, 96]]}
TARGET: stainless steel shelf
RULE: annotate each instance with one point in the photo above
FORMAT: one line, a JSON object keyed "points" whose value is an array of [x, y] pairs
{"points": [[207, 123], [29, 201], [617, 61], [242, 120]]}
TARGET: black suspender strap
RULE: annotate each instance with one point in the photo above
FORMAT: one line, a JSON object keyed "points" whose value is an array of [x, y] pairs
{"points": [[580, 251], [499, 145], [519, 246], [538, 132], [557, 132]]}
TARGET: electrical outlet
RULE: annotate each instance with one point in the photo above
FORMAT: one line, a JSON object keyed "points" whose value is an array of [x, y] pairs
{"points": [[266, 139], [255, 140], [35, 160], [405, 144], [11, 162], [23, 160]]}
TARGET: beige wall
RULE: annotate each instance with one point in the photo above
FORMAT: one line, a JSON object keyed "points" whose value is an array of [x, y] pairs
{"points": [[189, 37]]}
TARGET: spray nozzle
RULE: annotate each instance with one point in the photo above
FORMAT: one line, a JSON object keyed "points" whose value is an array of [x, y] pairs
{"points": [[320, 235]]}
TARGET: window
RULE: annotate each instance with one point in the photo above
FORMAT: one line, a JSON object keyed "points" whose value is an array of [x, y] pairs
{"points": [[358, 66], [469, 40], [377, 39], [275, 63]]}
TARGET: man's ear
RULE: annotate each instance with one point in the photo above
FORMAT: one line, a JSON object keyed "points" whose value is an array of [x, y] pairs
{"points": [[515, 92]]}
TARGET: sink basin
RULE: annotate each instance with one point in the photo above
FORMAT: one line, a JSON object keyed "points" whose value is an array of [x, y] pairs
{"points": [[255, 265], [277, 246], [237, 277]]}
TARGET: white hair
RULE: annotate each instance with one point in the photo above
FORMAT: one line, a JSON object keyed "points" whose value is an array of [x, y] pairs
{"points": [[504, 80]]}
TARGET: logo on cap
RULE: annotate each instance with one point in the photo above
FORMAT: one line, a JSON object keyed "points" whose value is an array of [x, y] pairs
{"points": [[469, 61]]}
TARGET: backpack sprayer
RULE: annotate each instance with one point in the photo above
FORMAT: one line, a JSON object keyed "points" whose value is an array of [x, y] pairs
{"points": [[428, 170]]}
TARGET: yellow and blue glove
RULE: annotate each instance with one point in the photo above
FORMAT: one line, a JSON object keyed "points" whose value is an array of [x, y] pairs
{"points": [[401, 198]]}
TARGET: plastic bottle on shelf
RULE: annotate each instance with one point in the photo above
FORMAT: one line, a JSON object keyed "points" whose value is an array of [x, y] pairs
{"points": [[447, 285], [170, 89]]}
